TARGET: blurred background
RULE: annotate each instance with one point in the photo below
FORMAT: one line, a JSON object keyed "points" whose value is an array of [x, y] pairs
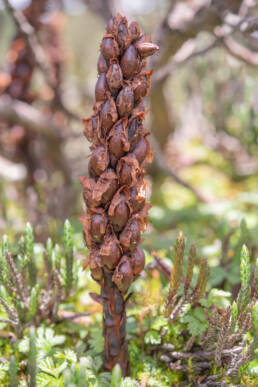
{"points": [[203, 117]]}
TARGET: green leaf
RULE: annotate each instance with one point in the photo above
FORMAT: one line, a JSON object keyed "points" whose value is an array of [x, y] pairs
{"points": [[45, 380], [29, 252], [82, 382], [252, 368], [152, 337], [32, 358], [129, 382], [217, 275], [196, 321], [219, 298], [13, 372], [96, 341], [116, 376], [56, 257], [159, 322], [245, 267], [68, 354], [3, 370], [68, 245], [48, 366], [4, 245], [33, 305]]}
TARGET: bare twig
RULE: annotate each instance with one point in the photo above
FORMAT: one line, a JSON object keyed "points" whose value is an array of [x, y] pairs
{"points": [[224, 39], [72, 317], [240, 52], [21, 113], [166, 70], [29, 34], [204, 354]]}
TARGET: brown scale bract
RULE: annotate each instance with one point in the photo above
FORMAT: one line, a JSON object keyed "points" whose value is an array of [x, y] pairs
{"points": [[123, 275], [96, 266], [92, 130], [99, 161], [128, 170], [118, 141], [114, 192], [120, 209], [110, 250]]}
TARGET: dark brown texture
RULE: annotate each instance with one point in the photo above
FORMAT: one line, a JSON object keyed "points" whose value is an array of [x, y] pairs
{"points": [[114, 192]]}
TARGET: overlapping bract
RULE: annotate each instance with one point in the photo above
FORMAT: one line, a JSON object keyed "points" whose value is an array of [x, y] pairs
{"points": [[115, 192]]}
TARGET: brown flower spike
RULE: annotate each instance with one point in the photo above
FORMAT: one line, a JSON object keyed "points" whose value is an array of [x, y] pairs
{"points": [[114, 192]]}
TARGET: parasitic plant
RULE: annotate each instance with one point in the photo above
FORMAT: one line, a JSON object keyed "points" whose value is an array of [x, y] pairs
{"points": [[114, 192]]}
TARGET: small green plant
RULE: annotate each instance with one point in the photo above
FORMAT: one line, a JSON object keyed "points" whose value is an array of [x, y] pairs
{"points": [[32, 284], [191, 295], [221, 339]]}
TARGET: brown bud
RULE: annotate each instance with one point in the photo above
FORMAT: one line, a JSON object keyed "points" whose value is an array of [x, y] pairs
{"points": [[105, 187], [110, 25], [145, 47], [135, 30], [139, 109], [143, 151], [95, 224], [128, 170], [98, 225], [101, 88], [102, 64], [92, 130], [114, 77], [110, 251], [129, 62], [143, 216], [141, 85], [130, 236], [138, 196], [118, 141], [96, 265], [109, 47], [137, 261], [123, 275], [119, 209], [99, 161], [108, 115], [89, 185], [135, 130], [125, 101], [123, 36]]}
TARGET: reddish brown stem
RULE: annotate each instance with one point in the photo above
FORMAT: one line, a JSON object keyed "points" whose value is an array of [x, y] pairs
{"points": [[114, 326]]}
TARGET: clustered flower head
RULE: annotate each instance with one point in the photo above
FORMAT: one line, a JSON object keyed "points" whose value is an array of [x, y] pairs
{"points": [[114, 192]]}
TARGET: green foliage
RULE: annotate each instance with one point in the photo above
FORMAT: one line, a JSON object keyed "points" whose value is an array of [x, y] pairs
{"points": [[13, 372], [152, 337], [32, 358], [116, 377], [68, 353], [190, 295], [245, 272], [196, 321], [26, 294], [245, 268], [68, 247], [29, 254], [255, 329]]}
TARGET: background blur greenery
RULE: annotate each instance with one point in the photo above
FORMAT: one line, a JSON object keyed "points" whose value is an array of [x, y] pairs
{"points": [[212, 145], [211, 102]]}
